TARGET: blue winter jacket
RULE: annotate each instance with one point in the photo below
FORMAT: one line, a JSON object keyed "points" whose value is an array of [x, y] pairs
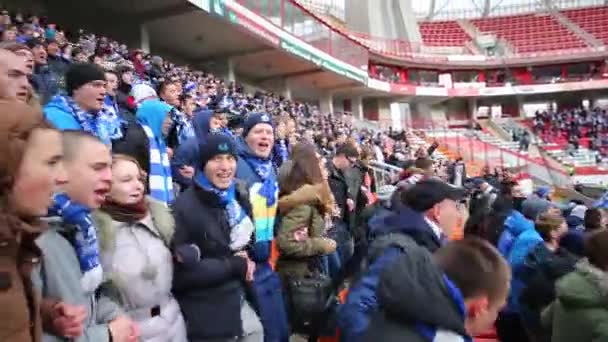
{"points": [[517, 240], [60, 115], [354, 315]]}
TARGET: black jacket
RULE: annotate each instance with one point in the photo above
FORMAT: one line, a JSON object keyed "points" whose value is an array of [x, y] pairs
{"points": [[134, 142], [412, 292], [339, 187], [210, 292]]}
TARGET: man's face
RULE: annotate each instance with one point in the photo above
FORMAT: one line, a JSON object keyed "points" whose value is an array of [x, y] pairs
{"points": [[189, 106], [215, 122], [52, 49], [28, 57], [14, 84], [220, 170], [260, 140], [91, 95], [111, 83], [484, 313], [341, 162], [80, 58], [98, 61], [9, 35], [447, 215], [89, 174], [171, 94], [39, 54]]}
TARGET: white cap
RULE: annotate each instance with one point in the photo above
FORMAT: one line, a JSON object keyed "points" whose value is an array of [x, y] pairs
{"points": [[142, 92]]}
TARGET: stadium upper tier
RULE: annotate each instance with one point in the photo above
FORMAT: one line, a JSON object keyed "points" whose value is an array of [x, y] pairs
{"points": [[523, 33], [546, 32], [443, 33], [593, 20], [530, 32]]}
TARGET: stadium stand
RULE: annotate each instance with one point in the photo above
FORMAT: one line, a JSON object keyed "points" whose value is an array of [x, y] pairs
{"points": [[442, 33], [591, 19], [530, 32]]}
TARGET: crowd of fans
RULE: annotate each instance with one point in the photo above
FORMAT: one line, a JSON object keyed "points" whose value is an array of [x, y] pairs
{"points": [[574, 126], [146, 201]]}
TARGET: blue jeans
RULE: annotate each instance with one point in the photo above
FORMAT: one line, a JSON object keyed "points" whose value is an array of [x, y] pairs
{"points": [[331, 265], [344, 243], [271, 307]]}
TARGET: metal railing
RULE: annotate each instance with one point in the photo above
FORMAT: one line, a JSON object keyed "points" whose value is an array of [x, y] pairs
{"points": [[384, 174]]}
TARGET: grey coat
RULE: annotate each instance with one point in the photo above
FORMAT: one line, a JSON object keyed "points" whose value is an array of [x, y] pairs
{"points": [[58, 277]]}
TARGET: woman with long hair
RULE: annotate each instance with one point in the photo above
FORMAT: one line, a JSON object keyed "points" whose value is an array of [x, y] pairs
{"points": [[305, 208], [134, 234], [30, 172]]}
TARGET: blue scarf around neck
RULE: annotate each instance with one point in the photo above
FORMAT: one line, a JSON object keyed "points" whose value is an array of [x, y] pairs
{"points": [[84, 241], [241, 226], [103, 124], [263, 168], [225, 196]]}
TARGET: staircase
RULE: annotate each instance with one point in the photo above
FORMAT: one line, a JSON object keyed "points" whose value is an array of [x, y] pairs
{"points": [[472, 32], [577, 30]]}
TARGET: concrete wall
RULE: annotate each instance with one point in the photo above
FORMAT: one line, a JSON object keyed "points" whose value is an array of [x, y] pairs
{"points": [[391, 19]]}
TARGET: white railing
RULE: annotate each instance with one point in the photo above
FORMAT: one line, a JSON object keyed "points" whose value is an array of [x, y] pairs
{"points": [[384, 174]]}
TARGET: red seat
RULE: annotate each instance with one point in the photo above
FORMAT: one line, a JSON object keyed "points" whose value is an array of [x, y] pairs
{"points": [[530, 32], [443, 33], [591, 19]]}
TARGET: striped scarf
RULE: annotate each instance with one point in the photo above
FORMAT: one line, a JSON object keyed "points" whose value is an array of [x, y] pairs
{"points": [[160, 181], [105, 125], [84, 240], [241, 226]]}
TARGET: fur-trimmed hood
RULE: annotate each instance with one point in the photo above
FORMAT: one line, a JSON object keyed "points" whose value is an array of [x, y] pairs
{"points": [[161, 216], [305, 195]]}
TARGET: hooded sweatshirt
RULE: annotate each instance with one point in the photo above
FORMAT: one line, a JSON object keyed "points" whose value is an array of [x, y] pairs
{"points": [[418, 302], [151, 115]]}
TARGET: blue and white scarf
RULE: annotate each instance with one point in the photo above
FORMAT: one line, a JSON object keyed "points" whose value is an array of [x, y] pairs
{"points": [[183, 125], [241, 226], [104, 125], [110, 106], [264, 169], [85, 239], [280, 152], [160, 181], [432, 334]]}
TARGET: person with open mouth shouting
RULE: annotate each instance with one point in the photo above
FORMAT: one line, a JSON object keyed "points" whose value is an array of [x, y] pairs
{"points": [[256, 169]]}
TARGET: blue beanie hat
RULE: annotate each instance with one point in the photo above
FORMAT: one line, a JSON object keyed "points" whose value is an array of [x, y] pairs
{"points": [[543, 191], [215, 144], [255, 119]]}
